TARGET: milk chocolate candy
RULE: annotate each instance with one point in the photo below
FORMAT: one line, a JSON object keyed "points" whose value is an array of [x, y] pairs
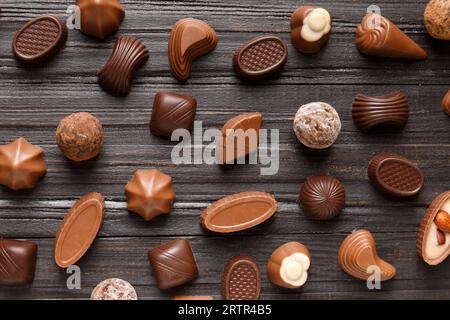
{"points": [[310, 28], [173, 264], [114, 289], [378, 36], [288, 265], [150, 193], [395, 175], [172, 111], [433, 239], [100, 18], [436, 19], [39, 40], [322, 197], [374, 112], [193, 298], [116, 75], [446, 103], [17, 262], [238, 212], [358, 257], [261, 57], [240, 137], [189, 40], [21, 164], [241, 279], [79, 229]]}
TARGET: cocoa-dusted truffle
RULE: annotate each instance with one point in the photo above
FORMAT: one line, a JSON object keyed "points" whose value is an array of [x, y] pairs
{"points": [[80, 136], [436, 18], [317, 125]]}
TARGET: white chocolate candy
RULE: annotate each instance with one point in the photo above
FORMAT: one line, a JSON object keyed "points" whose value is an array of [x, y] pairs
{"points": [[294, 269], [114, 289], [316, 24]]}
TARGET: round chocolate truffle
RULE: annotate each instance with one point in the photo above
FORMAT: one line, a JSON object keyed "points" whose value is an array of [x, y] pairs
{"points": [[322, 197], [436, 17], [317, 125], [114, 289], [80, 136]]}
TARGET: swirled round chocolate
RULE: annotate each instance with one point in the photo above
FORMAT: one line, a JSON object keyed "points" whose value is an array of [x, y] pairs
{"points": [[322, 197]]}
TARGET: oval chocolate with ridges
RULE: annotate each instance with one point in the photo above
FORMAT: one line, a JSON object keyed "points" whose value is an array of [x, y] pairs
{"points": [[39, 40], [433, 245], [241, 279], [79, 229], [260, 57], [395, 175], [238, 212], [389, 111]]}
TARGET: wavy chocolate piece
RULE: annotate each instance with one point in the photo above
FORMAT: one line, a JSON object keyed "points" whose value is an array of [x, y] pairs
{"points": [[241, 279], [446, 103], [261, 57], [116, 75], [17, 262], [371, 112], [395, 175], [39, 40], [378, 36], [190, 39]]}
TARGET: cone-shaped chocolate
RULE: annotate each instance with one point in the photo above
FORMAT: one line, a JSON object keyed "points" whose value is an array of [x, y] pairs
{"points": [[378, 36]]}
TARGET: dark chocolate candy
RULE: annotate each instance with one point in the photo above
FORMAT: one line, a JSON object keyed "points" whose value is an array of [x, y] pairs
{"points": [[371, 112], [39, 40], [260, 57], [173, 264], [116, 75], [322, 197], [172, 111], [395, 175], [17, 262], [241, 279]]}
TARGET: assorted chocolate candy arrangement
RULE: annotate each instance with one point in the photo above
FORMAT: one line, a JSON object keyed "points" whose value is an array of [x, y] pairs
{"points": [[150, 192]]}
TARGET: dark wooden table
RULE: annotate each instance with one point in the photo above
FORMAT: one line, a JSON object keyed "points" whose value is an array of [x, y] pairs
{"points": [[33, 101]]}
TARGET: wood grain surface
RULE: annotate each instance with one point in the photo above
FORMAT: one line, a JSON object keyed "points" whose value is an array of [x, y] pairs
{"points": [[33, 101]]}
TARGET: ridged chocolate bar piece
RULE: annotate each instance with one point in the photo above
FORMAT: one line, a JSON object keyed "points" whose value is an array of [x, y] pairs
{"points": [[39, 40], [372, 112], [395, 175], [116, 75], [241, 279]]}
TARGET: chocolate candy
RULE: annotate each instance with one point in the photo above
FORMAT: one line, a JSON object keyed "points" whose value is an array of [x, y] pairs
{"points": [[446, 103], [288, 265], [436, 18], [150, 193], [39, 40], [236, 144], [322, 197], [172, 111], [100, 18], [21, 164], [17, 262], [80, 136], [114, 289], [241, 279], [358, 253], [433, 239], [317, 125], [173, 264], [395, 175], [238, 212], [310, 28], [116, 75], [193, 298], [259, 58], [79, 229], [189, 40], [390, 111], [378, 36]]}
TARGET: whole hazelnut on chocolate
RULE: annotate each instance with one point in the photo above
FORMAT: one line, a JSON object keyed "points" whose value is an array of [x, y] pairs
{"points": [[317, 125], [80, 136]]}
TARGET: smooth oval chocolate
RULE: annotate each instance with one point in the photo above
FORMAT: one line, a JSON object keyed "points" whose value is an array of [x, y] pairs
{"points": [[241, 279], [238, 212], [260, 57], [433, 244], [389, 111], [395, 175], [39, 40], [79, 229]]}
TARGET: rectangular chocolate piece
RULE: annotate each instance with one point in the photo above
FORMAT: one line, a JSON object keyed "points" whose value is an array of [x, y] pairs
{"points": [[17, 262]]}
